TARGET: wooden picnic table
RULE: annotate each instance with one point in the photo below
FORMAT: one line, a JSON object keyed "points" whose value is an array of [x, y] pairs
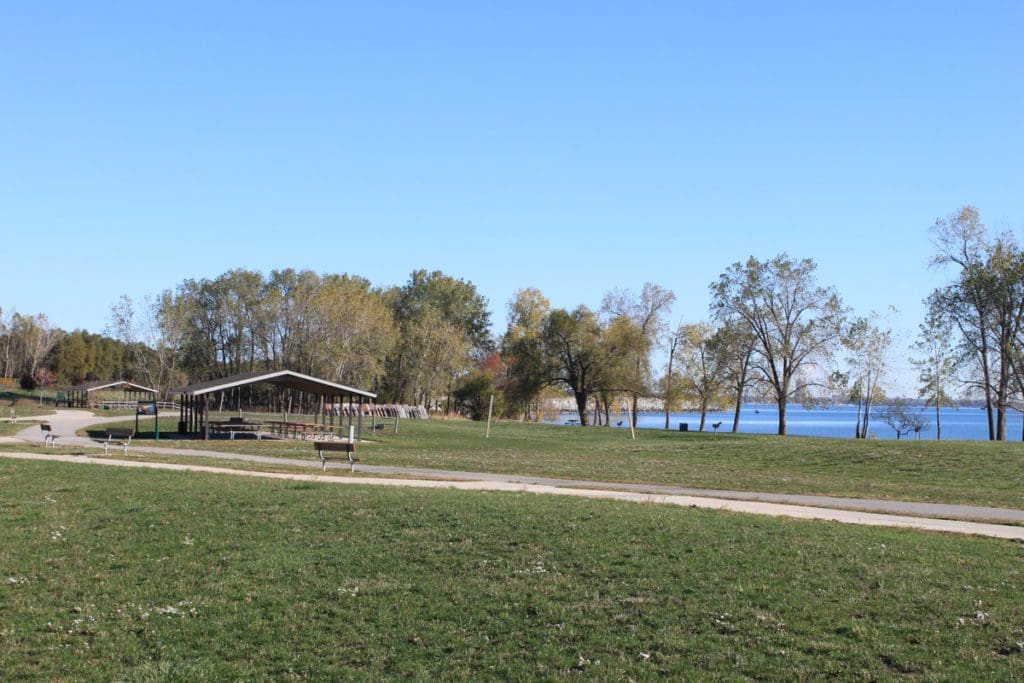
{"points": [[232, 427], [301, 430]]}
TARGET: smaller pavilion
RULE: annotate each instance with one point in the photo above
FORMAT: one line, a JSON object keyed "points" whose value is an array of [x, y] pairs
{"points": [[195, 399], [96, 394]]}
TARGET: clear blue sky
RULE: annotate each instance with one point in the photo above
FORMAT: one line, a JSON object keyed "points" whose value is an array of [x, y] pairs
{"points": [[572, 147]]}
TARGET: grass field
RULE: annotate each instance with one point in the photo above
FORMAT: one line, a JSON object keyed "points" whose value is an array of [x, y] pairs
{"points": [[125, 575], [969, 472], [22, 407]]}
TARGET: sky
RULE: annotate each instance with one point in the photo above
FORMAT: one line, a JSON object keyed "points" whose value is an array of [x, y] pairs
{"points": [[571, 147]]}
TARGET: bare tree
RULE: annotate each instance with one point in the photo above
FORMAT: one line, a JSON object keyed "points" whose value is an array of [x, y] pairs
{"points": [[868, 342], [796, 323], [902, 419], [937, 362]]}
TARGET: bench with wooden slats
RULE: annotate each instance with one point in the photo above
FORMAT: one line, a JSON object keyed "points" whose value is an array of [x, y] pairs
{"points": [[118, 437], [323, 448], [48, 436]]}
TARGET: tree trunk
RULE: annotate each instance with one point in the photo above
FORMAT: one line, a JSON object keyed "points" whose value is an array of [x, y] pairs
{"points": [[782, 416], [938, 421], [1001, 400], [703, 415], [668, 382], [607, 413], [636, 400], [581, 406], [867, 417], [736, 414], [856, 430], [986, 376]]}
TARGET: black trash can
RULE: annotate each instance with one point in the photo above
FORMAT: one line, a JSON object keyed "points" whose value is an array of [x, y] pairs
{"points": [[684, 426]]}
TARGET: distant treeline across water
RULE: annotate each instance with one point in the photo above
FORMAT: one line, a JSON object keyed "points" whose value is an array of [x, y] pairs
{"points": [[968, 423]]}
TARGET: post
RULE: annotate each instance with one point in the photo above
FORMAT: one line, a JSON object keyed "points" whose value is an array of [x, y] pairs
{"points": [[490, 411], [351, 434], [359, 418], [396, 420], [156, 421]]}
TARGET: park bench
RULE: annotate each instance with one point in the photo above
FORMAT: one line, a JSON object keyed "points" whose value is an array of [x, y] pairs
{"points": [[346, 447], [48, 436], [118, 437]]}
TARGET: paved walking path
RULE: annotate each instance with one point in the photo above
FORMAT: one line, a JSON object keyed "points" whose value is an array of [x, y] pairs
{"points": [[66, 422], [754, 507]]}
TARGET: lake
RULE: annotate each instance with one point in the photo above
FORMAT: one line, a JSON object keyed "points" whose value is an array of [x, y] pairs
{"points": [[834, 421]]}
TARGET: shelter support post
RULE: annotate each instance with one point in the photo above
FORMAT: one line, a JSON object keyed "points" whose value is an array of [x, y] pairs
{"points": [[360, 418]]}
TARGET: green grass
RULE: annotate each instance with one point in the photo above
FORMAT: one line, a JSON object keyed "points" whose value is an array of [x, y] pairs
{"points": [[967, 472], [128, 575], [10, 429], [25, 405]]}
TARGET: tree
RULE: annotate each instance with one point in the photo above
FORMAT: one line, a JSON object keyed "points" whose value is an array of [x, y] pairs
{"points": [[457, 301], [475, 391], [647, 311], [571, 349], [961, 241], [703, 371], [937, 361], [153, 335], [437, 305], [623, 366], [902, 420], [521, 349], [80, 356], [353, 330], [436, 354], [33, 337], [733, 345], [796, 323], [986, 305], [868, 343], [671, 388]]}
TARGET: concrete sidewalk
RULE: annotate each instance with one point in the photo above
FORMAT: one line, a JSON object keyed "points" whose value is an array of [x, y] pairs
{"points": [[67, 422], [751, 507]]}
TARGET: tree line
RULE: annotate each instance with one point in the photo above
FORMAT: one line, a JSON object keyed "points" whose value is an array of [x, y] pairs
{"points": [[774, 332]]}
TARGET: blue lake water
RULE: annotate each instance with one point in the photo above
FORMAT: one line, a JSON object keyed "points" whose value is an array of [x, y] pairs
{"points": [[835, 421]]}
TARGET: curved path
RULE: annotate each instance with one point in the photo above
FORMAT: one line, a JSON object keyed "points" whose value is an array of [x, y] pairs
{"points": [[753, 507], [66, 423]]}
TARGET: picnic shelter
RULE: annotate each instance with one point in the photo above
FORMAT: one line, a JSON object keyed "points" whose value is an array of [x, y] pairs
{"points": [[195, 399]]}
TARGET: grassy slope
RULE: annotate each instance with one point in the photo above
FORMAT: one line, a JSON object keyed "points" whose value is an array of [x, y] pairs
{"points": [[973, 472], [149, 575]]}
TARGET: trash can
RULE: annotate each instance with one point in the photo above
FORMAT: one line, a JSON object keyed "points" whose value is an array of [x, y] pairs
{"points": [[684, 426]]}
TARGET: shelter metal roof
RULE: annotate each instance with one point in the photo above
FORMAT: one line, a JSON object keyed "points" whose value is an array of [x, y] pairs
{"points": [[282, 378], [111, 384]]}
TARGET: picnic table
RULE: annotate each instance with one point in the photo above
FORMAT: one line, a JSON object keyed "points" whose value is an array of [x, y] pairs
{"points": [[302, 430], [237, 426]]}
